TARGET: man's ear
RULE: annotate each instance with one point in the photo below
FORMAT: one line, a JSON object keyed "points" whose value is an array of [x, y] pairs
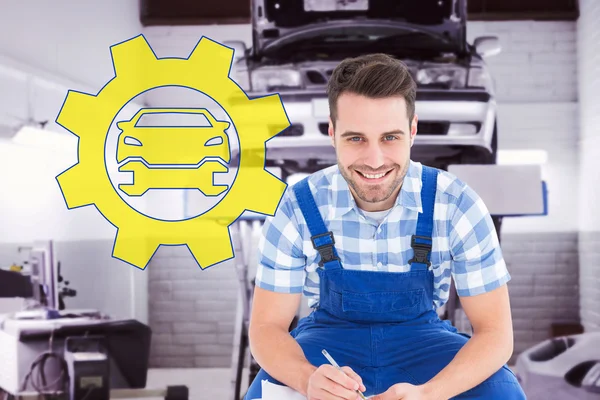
{"points": [[331, 132], [413, 129]]}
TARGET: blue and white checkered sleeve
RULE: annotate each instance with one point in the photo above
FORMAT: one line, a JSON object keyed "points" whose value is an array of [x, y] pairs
{"points": [[478, 265], [281, 261]]}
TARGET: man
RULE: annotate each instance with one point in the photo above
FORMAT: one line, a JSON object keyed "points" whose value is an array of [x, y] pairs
{"points": [[373, 242]]}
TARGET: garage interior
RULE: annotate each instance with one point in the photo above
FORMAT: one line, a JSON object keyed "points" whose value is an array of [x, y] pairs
{"points": [[547, 89]]}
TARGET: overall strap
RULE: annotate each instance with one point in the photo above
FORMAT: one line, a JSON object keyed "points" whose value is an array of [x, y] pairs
{"points": [[422, 241], [321, 238]]}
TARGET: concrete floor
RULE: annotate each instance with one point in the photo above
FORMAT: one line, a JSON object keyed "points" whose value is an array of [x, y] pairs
{"points": [[203, 383]]}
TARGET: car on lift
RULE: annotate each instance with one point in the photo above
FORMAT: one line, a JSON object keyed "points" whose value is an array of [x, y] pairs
{"points": [[297, 43]]}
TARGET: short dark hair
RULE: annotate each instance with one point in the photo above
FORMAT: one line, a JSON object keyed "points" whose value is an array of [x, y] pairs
{"points": [[375, 75]]}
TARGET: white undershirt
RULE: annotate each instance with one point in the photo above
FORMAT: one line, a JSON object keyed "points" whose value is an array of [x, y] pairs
{"points": [[377, 215]]}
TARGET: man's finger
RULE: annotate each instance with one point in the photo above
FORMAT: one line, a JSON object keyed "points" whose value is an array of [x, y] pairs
{"points": [[332, 390], [340, 377], [354, 376]]}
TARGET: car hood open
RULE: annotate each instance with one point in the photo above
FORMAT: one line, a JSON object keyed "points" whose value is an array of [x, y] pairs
{"points": [[275, 21]]}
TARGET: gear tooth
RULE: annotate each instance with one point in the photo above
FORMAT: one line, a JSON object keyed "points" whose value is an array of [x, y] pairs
{"points": [[77, 187], [272, 112], [78, 112], [134, 247], [266, 200], [211, 243], [132, 57], [212, 57]]}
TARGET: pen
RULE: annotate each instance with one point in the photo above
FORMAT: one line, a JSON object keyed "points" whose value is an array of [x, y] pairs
{"points": [[332, 361]]}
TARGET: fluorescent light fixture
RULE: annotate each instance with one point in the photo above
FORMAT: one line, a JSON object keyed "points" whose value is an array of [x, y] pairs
{"points": [[522, 157], [31, 136]]}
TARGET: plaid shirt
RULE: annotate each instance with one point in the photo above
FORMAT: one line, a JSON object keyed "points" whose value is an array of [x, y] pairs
{"points": [[465, 243]]}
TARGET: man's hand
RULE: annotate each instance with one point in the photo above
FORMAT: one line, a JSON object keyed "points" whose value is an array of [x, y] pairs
{"points": [[402, 391], [329, 383]]}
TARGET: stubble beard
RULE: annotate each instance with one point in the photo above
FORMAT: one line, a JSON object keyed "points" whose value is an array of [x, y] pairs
{"points": [[374, 193]]}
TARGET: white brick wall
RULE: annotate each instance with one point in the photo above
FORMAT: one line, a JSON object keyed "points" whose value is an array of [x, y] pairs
{"points": [[538, 60], [192, 312], [589, 195], [544, 283]]}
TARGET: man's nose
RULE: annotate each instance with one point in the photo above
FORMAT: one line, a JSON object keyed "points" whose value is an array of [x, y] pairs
{"points": [[374, 156]]}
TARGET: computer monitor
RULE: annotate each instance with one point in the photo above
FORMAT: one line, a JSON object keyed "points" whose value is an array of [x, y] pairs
{"points": [[44, 274]]}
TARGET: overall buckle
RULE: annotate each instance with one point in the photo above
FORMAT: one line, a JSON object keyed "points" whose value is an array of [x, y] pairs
{"points": [[421, 250], [325, 250]]}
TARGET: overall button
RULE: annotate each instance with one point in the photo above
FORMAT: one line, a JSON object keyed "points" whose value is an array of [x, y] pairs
{"points": [[379, 264]]}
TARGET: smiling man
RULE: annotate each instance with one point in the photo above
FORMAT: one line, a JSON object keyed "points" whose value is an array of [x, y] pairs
{"points": [[373, 163], [373, 242]]}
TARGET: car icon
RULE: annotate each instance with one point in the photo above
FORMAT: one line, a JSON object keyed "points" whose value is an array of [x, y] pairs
{"points": [[173, 157]]}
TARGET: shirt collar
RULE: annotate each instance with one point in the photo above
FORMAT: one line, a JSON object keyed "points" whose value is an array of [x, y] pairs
{"points": [[409, 196]]}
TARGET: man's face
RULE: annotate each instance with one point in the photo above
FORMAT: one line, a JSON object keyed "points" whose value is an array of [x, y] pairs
{"points": [[372, 139]]}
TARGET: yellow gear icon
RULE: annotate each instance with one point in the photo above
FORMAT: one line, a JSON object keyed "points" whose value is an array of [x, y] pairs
{"points": [[137, 69]]}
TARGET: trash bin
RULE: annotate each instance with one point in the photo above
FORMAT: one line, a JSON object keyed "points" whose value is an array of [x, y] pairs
{"points": [[564, 368]]}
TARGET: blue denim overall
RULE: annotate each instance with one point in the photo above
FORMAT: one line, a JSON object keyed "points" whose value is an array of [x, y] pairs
{"points": [[383, 324]]}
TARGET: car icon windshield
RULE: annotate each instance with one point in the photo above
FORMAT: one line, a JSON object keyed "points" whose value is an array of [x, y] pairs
{"points": [[173, 145]]}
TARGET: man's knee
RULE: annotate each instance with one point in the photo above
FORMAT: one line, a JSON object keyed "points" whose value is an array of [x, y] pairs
{"points": [[502, 385], [255, 388]]}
